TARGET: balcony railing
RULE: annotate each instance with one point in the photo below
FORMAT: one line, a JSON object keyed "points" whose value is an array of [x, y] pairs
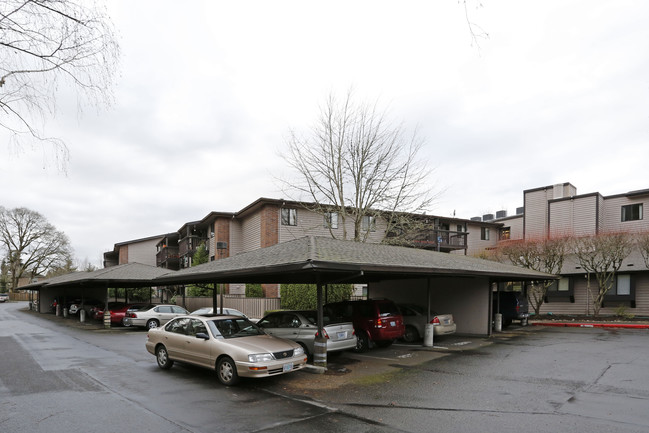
{"points": [[443, 240], [189, 244], [167, 255]]}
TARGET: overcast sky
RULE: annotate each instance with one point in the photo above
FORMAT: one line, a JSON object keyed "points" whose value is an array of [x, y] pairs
{"points": [[559, 92]]}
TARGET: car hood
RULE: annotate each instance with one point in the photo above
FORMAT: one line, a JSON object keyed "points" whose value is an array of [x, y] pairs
{"points": [[261, 343]]}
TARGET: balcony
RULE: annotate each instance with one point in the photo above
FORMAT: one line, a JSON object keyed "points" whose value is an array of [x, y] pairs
{"points": [[187, 246], [168, 258], [438, 239]]}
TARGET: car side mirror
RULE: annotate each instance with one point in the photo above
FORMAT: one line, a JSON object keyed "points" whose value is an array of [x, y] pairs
{"points": [[203, 335]]}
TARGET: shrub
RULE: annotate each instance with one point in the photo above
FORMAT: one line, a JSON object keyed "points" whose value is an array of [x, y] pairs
{"points": [[254, 291], [304, 296]]}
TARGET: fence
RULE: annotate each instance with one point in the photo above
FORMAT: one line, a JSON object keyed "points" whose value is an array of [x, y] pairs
{"points": [[251, 307], [21, 296]]}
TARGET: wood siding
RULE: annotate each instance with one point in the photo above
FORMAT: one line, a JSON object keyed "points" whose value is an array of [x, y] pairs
{"points": [[536, 212], [251, 230], [143, 252], [612, 215], [576, 216], [310, 223], [583, 301]]}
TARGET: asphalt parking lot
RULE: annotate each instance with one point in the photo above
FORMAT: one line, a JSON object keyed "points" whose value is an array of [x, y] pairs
{"points": [[540, 379]]}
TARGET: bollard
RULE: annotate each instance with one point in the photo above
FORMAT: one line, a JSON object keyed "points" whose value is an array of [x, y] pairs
{"points": [[58, 310], [320, 352], [82, 315], [106, 319], [429, 332], [499, 322], [65, 313]]}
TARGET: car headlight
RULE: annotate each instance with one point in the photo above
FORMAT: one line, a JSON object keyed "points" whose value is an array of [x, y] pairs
{"points": [[298, 351], [260, 357]]}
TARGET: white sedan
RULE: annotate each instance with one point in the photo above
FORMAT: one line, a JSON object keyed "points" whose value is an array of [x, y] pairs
{"points": [[152, 316]]}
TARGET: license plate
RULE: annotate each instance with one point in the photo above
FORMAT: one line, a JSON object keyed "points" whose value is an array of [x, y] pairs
{"points": [[342, 335], [288, 367], [446, 322], [393, 323]]}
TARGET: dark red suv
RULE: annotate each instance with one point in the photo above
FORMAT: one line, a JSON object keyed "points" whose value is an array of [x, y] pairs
{"points": [[376, 321]]}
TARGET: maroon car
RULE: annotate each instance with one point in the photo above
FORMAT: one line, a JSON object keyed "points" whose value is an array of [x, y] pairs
{"points": [[376, 321]]}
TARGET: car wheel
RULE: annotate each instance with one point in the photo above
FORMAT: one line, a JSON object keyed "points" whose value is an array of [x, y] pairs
{"points": [[411, 335], [384, 343], [362, 342], [162, 356], [152, 324], [226, 369]]}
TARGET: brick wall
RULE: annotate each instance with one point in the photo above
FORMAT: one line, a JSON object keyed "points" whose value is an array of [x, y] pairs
{"points": [[270, 236], [269, 226]]}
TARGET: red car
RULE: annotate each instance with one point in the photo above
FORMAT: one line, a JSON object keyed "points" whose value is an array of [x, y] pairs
{"points": [[376, 321], [117, 312]]}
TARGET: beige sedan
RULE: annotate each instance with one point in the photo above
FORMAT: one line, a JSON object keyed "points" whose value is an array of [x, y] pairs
{"points": [[231, 345]]}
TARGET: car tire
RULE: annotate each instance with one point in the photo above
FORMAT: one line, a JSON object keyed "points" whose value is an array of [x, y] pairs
{"points": [[411, 335], [362, 342], [384, 343], [151, 324], [226, 371], [162, 356]]}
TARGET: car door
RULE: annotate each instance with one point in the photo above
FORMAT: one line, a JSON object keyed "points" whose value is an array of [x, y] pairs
{"points": [[198, 349], [163, 313], [175, 339]]}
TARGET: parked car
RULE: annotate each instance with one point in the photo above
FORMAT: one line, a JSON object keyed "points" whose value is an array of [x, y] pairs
{"points": [[207, 311], [231, 345], [4, 297], [302, 327], [513, 306], [152, 316], [376, 321], [415, 318], [97, 311], [74, 306], [118, 313]]}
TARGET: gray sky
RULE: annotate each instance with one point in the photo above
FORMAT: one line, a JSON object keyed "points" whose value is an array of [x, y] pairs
{"points": [[559, 92]]}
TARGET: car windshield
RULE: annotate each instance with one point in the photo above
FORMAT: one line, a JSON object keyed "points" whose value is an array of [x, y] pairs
{"points": [[144, 307], [234, 328]]}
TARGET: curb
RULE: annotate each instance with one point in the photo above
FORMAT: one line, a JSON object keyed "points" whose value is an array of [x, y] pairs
{"points": [[592, 325]]}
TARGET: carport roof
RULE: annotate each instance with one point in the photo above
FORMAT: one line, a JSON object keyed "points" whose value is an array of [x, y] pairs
{"points": [[126, 275], [326, 260]]}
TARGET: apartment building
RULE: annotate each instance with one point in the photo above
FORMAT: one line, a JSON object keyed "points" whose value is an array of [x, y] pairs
{"points": [[558, 211], [267, 222]]}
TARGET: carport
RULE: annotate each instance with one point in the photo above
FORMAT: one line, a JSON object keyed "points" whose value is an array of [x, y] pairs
{"points": [[94, 284], [457, 283]]}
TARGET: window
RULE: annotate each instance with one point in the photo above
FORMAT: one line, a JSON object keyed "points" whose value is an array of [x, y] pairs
{"points": [[632, 212], [331, 220], [505, 233], [484, 233], [622, 286], [561, 286], [368, 223], [289, 217]]}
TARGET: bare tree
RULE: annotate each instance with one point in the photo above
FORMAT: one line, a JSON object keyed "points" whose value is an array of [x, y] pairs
{"points": [[643, 246], [602, 255], [32, 245], [543, 255], [47, 45], [359, 165]]}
